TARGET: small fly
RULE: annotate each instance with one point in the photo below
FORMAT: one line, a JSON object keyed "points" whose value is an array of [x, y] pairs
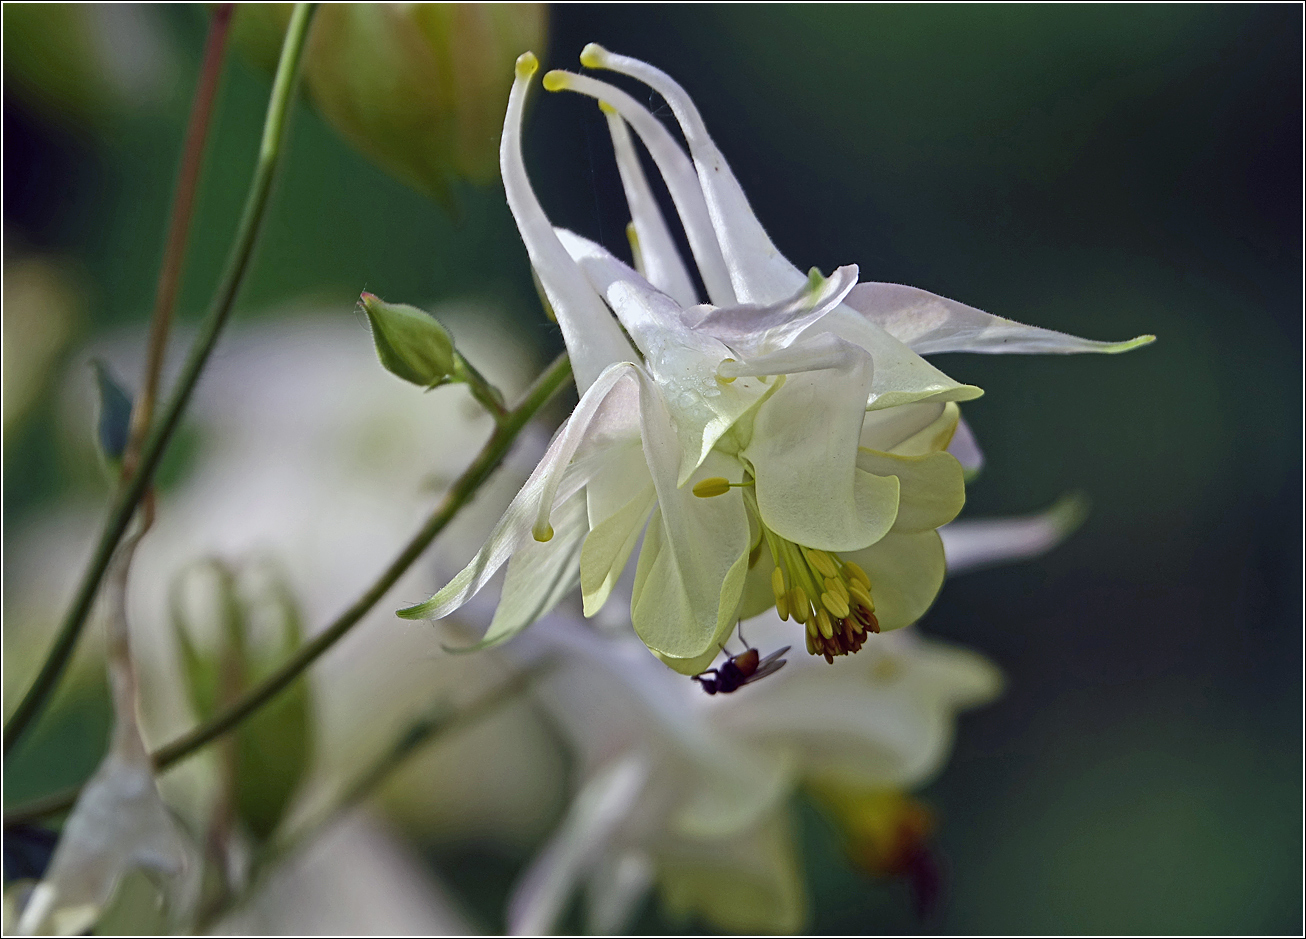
{"points": [[740, 670]]}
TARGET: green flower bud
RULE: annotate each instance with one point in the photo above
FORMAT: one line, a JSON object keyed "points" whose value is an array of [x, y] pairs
{"points": [[234, 627], [410, 343], [420, 88]]}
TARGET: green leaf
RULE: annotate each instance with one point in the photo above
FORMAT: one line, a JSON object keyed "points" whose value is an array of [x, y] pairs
{"points": [[115, 413], [410, 343]]}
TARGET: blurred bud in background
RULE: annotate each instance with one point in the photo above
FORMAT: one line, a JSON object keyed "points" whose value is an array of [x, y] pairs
{"points": [[421, 88], [75, 61]]}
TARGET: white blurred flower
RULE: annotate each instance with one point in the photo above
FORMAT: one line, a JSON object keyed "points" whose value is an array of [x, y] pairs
{"points": [[690, 792]]}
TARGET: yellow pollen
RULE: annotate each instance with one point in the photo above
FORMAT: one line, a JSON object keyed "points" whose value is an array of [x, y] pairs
{"points": [[798, 605], [556, 80], [823, 563], [823, 623], [778, 583], [835, 605], [857, 573], [607, 108], [861, 595], [527, 64], [712, 486]]}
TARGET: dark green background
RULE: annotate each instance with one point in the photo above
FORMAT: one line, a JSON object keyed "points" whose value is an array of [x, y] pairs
{"points": [[1102, 170]]}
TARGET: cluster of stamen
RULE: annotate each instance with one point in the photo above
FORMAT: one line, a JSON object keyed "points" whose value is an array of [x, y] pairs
{"points": [[831, 597]]}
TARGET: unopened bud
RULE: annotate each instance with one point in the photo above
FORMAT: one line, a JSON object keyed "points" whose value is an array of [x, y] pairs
{"points": [[410, 343]]}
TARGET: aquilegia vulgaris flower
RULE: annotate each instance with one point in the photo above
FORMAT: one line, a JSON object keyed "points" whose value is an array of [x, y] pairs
{"points": [[783, 445]]}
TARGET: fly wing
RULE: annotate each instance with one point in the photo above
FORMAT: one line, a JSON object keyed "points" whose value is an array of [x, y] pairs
{"points": [[769, 665]]}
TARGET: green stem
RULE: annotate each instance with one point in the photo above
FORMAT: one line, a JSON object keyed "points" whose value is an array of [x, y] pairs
{"points": [[130, 494]]}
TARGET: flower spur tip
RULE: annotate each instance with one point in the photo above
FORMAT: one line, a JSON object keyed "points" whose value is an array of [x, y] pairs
{"points": [[527, 65], [593, 56]]}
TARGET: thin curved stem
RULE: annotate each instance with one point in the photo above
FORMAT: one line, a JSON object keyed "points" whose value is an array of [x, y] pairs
{"points": [[130, 494]]}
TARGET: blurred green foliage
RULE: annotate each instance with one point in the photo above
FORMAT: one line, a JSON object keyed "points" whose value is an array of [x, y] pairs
{"points": [[1105, 170]]}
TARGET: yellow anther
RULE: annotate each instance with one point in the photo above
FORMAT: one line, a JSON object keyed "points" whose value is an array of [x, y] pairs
{"points": [[812, 630], [712, 486], [543, 534], [607, 108], [782, 606], [798, 605], [823, 563], [823, 623], [835, 605], [863, 596], [556, 80], [836, 587], [527, 64], [857, 573], [811, 646], [778, 583], [592, 55]]}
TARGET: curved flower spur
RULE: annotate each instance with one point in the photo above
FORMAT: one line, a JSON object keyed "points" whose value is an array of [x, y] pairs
{"points": [[783, 445]]}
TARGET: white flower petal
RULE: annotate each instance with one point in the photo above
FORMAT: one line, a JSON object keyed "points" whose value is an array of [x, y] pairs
{"points": [[889, 428], [804, 457], [608, 546], [966, 448], [897, 705], [901, 376], [931, 488], [684, 362], [540, 574], [759, 272], [615, 891], [661, 261], [540, 897], [906, 571], [975, 543], [931, 438], [677, 172], [691, 568], [600, 424], [752, 329], [593, 340], [930, 324]]}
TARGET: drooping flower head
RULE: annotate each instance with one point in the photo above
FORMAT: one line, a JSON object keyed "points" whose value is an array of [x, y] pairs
{"points": [[784, 444]]}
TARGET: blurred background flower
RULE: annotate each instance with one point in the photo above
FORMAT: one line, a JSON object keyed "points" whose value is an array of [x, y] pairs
{"points": [[1097, 170]]}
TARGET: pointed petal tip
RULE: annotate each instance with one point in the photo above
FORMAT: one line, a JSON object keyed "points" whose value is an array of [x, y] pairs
{"points": [[1069, 512], [418, 611], [593, 56], [1130, 344], [527, 65]]}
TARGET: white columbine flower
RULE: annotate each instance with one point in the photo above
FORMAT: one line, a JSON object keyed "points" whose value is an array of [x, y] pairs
{"points": [[784, 445]]}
